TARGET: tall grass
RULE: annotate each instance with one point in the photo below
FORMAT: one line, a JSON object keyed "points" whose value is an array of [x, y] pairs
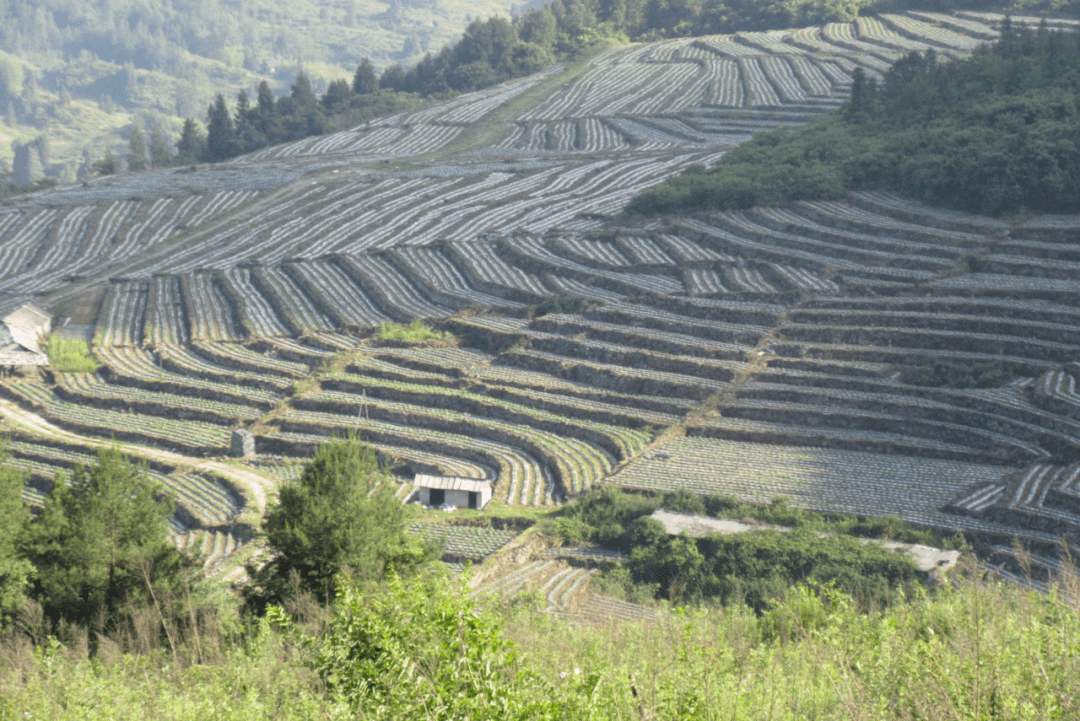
{"points": [[977, 650], [70, 355]]}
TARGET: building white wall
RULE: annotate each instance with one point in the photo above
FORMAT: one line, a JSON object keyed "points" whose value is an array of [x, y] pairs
{"points": [[458, 498]]}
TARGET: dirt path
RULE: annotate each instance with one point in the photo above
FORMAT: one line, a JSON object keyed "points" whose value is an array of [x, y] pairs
{"points": [[254, 483]]}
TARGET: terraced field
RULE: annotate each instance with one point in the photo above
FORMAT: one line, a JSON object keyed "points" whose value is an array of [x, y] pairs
{"points": [[755, 353]]}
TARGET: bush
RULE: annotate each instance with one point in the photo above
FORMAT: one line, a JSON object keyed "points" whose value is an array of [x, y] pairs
{"points": [[924, 370], [562, 304], [70, 355], [415, 332]]}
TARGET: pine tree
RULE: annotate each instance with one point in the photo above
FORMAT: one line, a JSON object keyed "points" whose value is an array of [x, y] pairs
{"points": [[98, 542], [340, 515], [364, 81], [190, 146], [301, 93], [159, 152], [137, 158], [242, 122], [107, 165], [220, 134]]}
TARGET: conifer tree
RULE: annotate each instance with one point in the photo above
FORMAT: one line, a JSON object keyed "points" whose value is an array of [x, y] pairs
{"points": [[190, 146], [340, 516], [98, 542], [159, 151], [220, 134], [107, 165], [137, 157], [364, 81]]}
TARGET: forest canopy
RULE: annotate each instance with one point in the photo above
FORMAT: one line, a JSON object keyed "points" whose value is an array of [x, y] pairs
{"points": [[996, 134]]}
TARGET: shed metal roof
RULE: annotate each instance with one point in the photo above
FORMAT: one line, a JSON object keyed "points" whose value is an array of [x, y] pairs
{"points": [[27, 325], [449, 483]]}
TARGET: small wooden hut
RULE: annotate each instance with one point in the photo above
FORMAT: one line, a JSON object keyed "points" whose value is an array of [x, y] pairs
{"points": [[461, 492], [22, 337]]}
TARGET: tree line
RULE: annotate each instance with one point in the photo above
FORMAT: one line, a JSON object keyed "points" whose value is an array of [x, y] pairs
{"points": [[98, 551], [491, 51], [997, 134]]}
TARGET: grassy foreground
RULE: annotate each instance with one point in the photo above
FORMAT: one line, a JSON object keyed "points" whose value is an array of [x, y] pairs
{"points": [[975, 651]]}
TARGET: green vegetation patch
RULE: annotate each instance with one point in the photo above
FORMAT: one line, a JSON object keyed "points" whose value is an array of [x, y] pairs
{"points": [[70, 355], [562, 304], [996, 134], [415, 332], [924, 370], [756, 567]]}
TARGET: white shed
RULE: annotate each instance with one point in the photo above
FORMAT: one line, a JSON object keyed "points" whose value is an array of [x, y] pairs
{"points": [[22, 333], [461, 492]]}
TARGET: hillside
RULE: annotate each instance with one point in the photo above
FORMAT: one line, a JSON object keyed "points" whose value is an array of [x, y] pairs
{"points": [[772, 351], [81, 71], [993, 134]]}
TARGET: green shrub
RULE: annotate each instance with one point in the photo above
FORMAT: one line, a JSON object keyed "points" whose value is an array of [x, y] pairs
{"points": [[70, 355], [925, 370], [415, 332], [561, 304]]}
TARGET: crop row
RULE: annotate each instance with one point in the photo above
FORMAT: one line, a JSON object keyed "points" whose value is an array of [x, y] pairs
{"points": [[191, 436], [913, 489], [214, 362], [472, 542], [44, 246], [85, 388], [594, 423], [995, 436], [522, 477], [396, 210], [581, 452], [414, 282], [136, 367]]}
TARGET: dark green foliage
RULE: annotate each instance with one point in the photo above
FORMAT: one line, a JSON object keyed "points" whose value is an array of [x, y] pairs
{"points": [[759, 566], [341, 516], [137, 157], [996, 134], [220, 134], [756, 566], [106, 165], [190, 146], [159, 151], [562, 304], [924, 370], [364, 81], [101, 541], [15, 570], [603, 515], [684, 501], [382, 642]]}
